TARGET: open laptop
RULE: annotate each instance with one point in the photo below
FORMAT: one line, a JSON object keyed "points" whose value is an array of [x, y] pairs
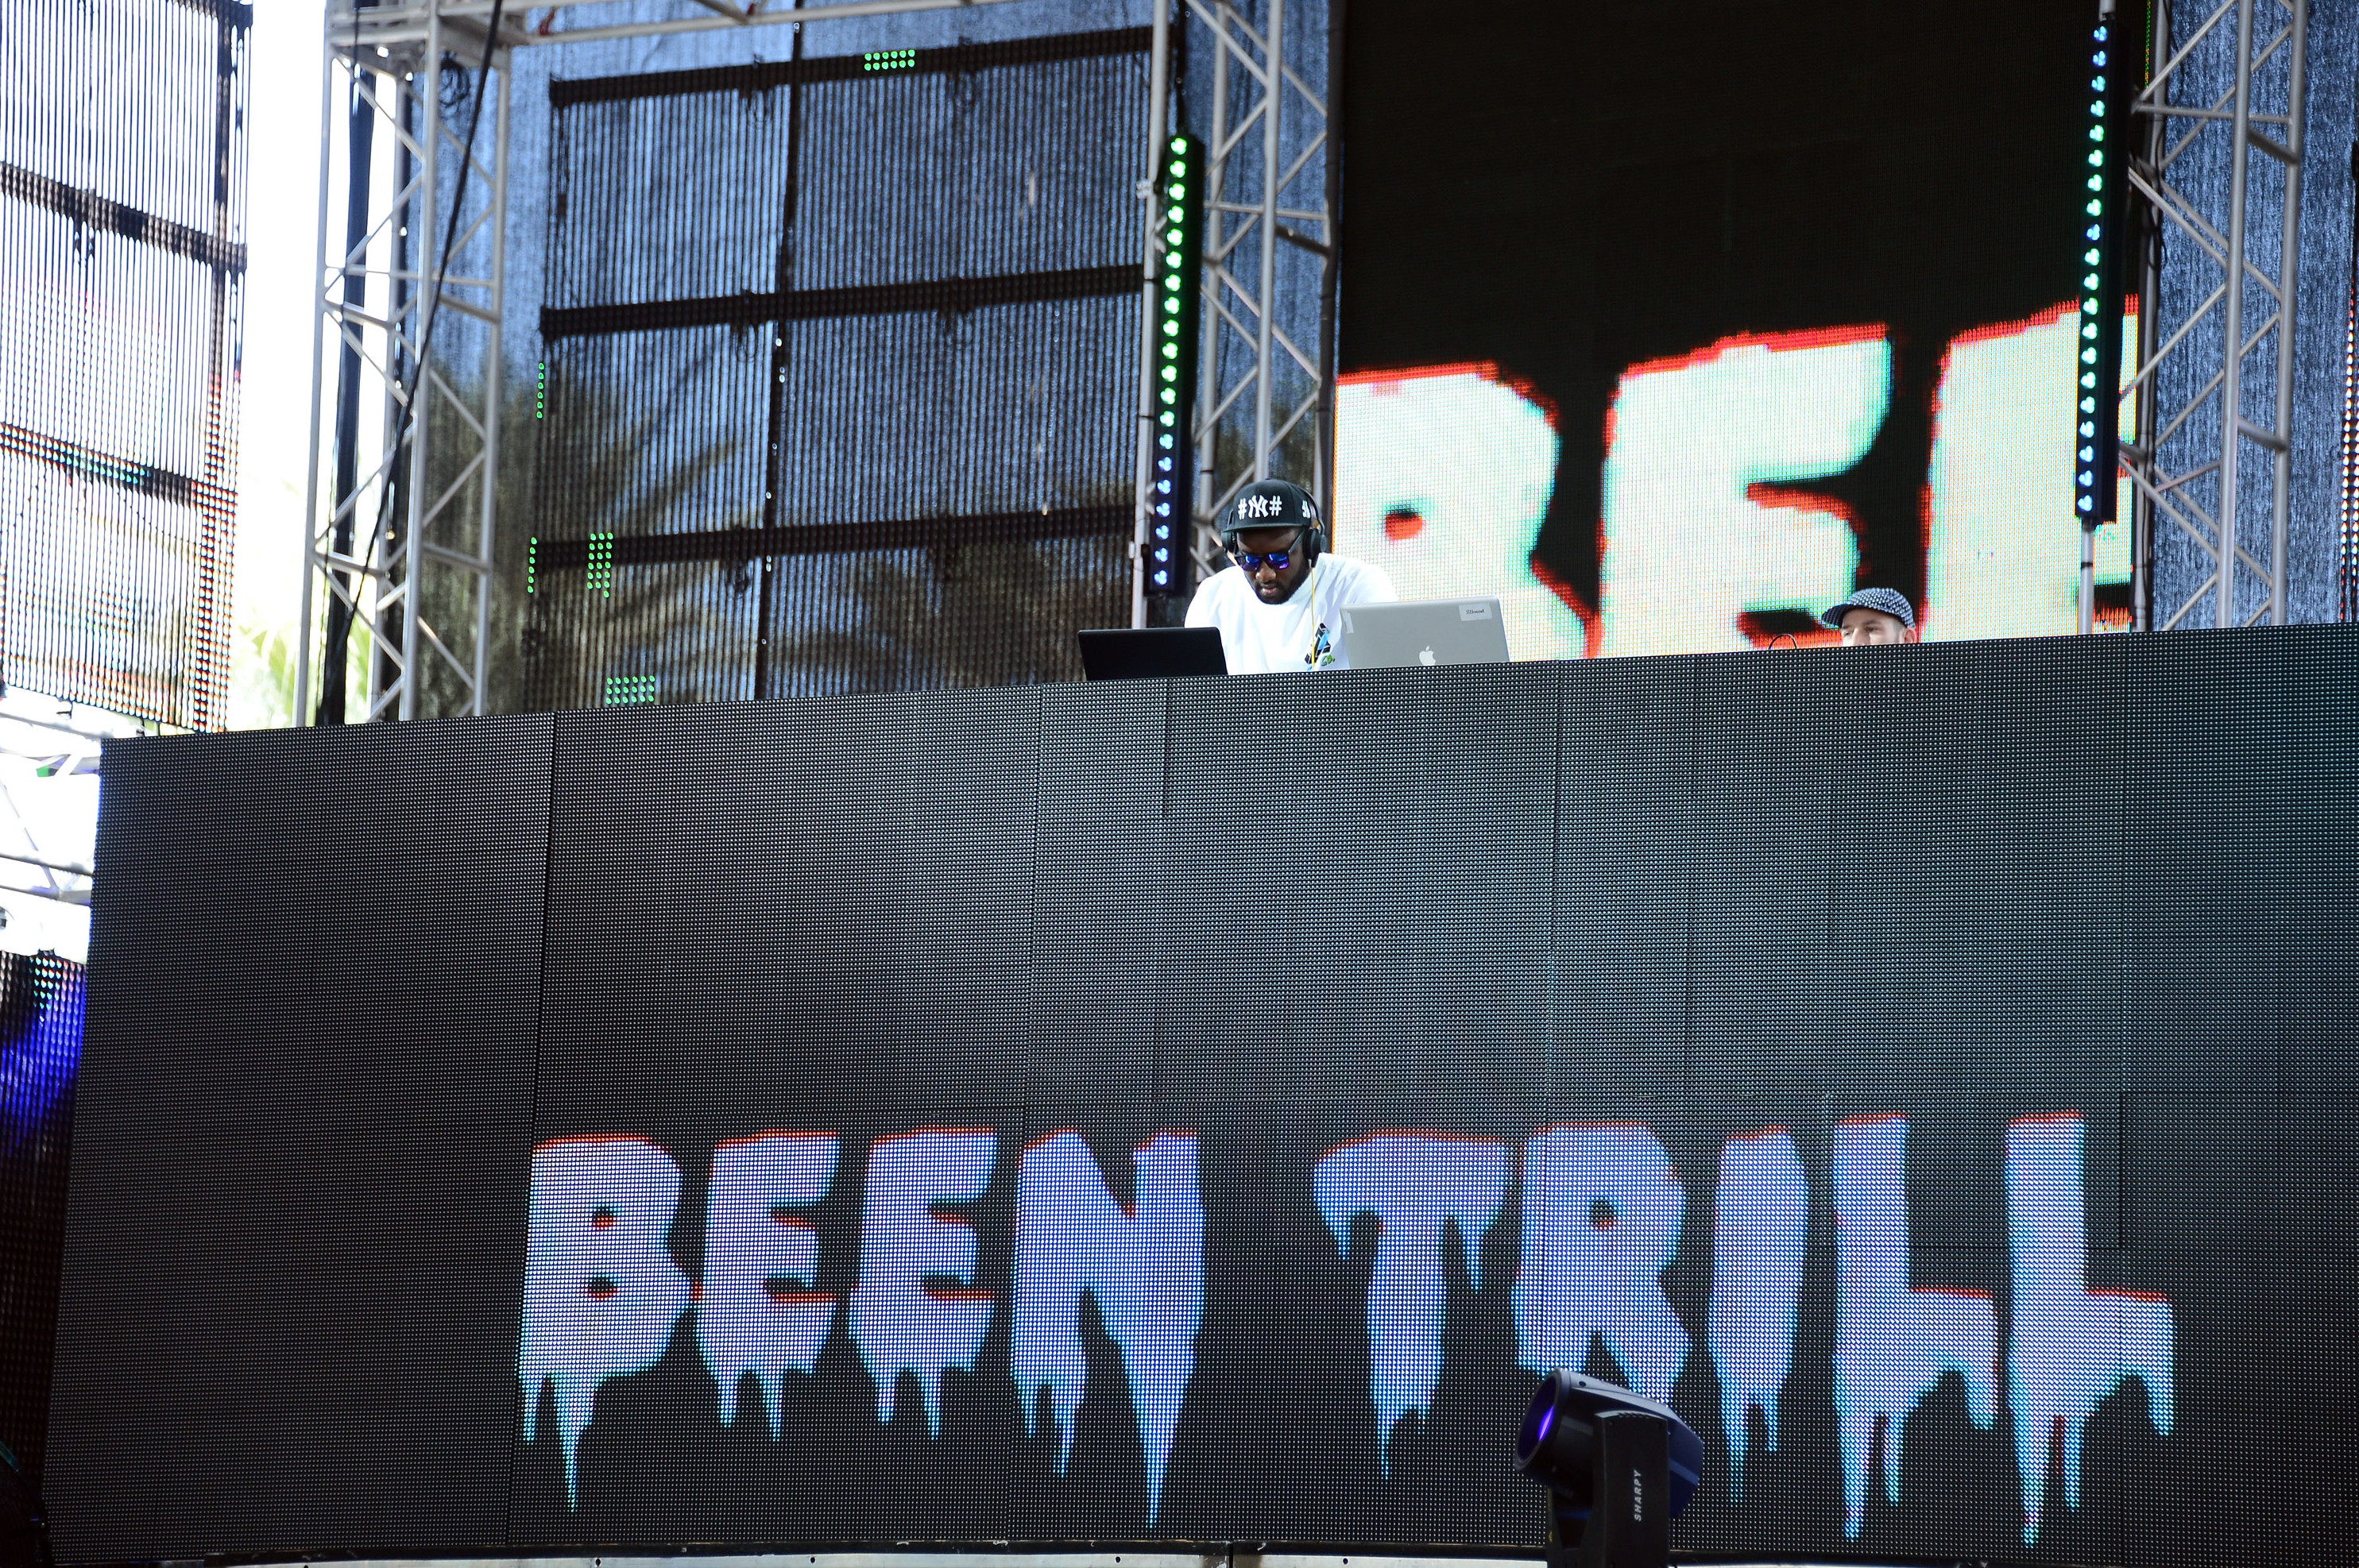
{"points": [[1159, 653], [1429, 631]]}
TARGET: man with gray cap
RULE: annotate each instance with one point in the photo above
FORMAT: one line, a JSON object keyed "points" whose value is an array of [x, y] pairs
{"points": [[1871, 616], [1279, 605]]}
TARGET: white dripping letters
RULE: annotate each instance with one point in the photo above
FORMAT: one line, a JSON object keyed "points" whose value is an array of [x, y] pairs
{"points": [[1602, 1211], [1145, 1268], [1759, 1234], [2072, 1347], [751, 1316], [1892, 1343], [603, 1293], [899, 1324], [1601, 1215], [1415, 1186]]}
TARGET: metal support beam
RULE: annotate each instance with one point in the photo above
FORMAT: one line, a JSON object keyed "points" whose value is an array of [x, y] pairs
{"points": [[2213, 457], [462, 23], [1266, 155], [399, 522]]}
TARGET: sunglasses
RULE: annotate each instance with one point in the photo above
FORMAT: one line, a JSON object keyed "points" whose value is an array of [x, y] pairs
{"points": [[1277, 560]]}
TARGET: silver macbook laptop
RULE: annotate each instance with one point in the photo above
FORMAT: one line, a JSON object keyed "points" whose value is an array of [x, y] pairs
{"points": [[1432, 631]]}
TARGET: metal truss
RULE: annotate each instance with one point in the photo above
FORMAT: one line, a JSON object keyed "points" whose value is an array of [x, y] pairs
{"points": [[45, 849], [365, 556], [1267, 180], [369, 549], [2237, 342]]}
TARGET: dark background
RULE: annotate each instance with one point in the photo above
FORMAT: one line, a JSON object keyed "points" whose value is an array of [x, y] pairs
{"points": [[40, 1041], [1568, 188], [333, 1012]]}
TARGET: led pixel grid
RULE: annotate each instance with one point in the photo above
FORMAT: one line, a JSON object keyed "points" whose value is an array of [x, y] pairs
{"points": [[1741, 313], [962, 1165]]}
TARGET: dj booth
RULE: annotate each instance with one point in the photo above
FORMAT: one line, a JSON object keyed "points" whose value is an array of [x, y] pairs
{"points": [[1196, 1112]]}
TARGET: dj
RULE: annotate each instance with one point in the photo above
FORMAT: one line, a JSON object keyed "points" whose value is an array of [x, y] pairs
{"points": [[1280, 605]]}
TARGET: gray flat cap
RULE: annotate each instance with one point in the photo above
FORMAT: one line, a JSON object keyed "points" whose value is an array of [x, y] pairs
{"points": [[1883, 600]]}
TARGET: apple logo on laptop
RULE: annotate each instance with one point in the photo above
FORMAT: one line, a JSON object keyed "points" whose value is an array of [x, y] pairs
{"points": [[1425, 656]]}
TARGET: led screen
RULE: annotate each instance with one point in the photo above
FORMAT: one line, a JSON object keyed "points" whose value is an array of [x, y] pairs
{"points": [[1039, 1294], [1035, 1116], [1669, 326]]}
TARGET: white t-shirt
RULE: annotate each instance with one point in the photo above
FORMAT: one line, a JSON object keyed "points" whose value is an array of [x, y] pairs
{"points": [[1306, 633]]}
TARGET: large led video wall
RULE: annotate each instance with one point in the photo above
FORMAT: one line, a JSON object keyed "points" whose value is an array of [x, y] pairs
{"points": [[1200, 1112], [1670, 325]]}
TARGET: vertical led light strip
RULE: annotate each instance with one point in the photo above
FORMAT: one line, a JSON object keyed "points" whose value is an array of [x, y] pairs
{"points": [[1172, 488], [2099, 403]]}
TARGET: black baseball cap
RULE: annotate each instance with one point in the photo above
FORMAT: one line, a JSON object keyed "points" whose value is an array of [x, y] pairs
{"points": [[1269, 503]]}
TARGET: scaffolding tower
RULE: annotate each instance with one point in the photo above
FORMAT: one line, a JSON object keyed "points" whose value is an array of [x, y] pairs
{"points": [[2213, 384], [1269, 182], [369, 544], [412, 297]]}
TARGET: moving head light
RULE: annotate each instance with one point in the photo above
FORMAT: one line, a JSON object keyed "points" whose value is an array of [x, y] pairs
{"points": [[1618, 1466]]}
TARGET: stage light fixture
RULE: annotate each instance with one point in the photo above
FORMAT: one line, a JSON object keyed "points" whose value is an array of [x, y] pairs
{"points": [[2094, 476], [599, 576], [1618, 1466], [1171, 471]]}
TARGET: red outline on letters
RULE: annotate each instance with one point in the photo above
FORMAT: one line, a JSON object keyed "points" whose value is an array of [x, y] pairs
{"points": [[1760, 493], [1777, 342], [1130, 1210], [1385, 381], [934, 1211]]}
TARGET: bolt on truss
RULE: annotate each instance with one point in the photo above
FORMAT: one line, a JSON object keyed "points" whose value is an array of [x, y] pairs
{"points": [[399, 279], [2214, 387], [1268, 180]]}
